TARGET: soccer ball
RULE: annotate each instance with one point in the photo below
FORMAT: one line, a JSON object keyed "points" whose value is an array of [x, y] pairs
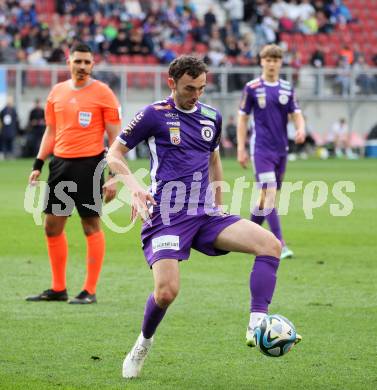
{"points": [[275, 336]]}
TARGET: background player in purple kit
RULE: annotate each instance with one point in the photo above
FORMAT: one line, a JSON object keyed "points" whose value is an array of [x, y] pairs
{"points": [[271, 101], [183, 137]]}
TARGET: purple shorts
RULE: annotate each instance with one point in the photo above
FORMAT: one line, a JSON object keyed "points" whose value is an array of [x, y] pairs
{"points": [[269, 169], [174, 241]]}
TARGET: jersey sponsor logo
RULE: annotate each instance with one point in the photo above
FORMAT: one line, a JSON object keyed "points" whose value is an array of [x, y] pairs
{"points": [[175, 135], [261, 101], [165, 242], [85, 118], [128, 129], [286, 86], [208, 112], [207, 133], [172, 115], [207, 123], [283, 99], [162, 107], [177, 124]]}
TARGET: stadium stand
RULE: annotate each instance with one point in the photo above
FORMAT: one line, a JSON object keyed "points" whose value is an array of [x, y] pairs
{"points": [[224, 32]]}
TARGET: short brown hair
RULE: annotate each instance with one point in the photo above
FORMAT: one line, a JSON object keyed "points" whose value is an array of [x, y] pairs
{"points": [[272, 51], [191, 65], [81, 47]]}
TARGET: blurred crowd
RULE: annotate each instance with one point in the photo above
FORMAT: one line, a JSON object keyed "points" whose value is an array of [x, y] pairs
{"points": [[160, 29]]}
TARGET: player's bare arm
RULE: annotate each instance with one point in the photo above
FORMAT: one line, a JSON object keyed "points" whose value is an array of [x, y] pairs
{"points": [[118, 165], [110, 188], [242, 155], [299, 122], [216, 175], [46, 148]]}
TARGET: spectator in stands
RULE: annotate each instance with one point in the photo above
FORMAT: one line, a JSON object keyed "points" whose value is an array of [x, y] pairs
{"points": [[26, 15], [166, 54], [199, 32], [137, 43], [305, 10], [295, 64], [317, 61], [266, 30], [235, 12], [8, 53], [231, 130], [209, 20], [279, 9], [9, 128], [36, 127], [120, 45], [107, 76], [343, 78], [365, 81], [324, 26], [347, 53]]}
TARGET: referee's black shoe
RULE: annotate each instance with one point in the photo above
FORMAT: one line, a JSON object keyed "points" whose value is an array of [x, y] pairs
{"points": [[84, 298], [49, 295]]}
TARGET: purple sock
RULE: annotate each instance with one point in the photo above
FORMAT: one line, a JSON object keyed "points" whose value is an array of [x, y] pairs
{"points": [[274, 222], [153, 315], [262, 282], [257, 216]]}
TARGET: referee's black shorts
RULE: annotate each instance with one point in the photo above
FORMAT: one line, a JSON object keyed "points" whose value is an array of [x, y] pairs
{"points": [[75, 182]]}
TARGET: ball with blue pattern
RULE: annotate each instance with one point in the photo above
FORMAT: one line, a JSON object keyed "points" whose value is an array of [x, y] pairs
{"points": [[275, 336]]}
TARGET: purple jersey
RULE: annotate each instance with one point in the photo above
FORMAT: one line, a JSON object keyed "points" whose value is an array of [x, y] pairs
{"points": [[270, 103], [180, 143]]}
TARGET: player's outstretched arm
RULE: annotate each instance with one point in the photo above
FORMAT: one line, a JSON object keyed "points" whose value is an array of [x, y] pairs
{"points": [[299, 122], [46, 148], [242, 155], [118, 165]]}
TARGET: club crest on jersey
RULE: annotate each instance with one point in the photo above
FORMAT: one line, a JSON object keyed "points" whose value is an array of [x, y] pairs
{"points": [[175, 136], [85, 118], [207, 133], [283, 99], [261, 101]]}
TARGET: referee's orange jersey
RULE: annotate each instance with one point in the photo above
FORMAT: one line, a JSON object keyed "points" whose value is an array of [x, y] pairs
{"points": [[79, 116]]}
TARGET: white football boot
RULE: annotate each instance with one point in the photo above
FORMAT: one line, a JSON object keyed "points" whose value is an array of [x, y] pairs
{"points": [[255, 320], [250, 339], [286, 253], [133, 363]]}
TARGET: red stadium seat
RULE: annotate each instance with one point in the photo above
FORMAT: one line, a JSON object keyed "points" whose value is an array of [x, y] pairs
{"points": [[151, 59], [138, 59], [32, 78], [45, 78]]}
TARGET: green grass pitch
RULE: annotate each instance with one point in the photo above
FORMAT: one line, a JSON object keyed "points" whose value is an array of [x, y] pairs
{"points": [[328, 290]]}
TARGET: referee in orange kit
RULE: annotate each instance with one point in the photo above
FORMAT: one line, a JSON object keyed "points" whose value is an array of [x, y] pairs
{"points": [[78, 112]]}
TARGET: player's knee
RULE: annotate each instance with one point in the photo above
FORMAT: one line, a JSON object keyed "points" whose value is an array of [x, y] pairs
{"points": [[52, 230], [276, 247], [165, 296], [270, 246]]}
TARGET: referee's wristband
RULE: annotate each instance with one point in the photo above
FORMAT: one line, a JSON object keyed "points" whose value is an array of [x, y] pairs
{"points": [[38, 165]]}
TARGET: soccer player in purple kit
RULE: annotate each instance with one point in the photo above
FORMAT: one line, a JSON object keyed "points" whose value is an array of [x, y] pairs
{"points": [[183, 136], [272, 101]]}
